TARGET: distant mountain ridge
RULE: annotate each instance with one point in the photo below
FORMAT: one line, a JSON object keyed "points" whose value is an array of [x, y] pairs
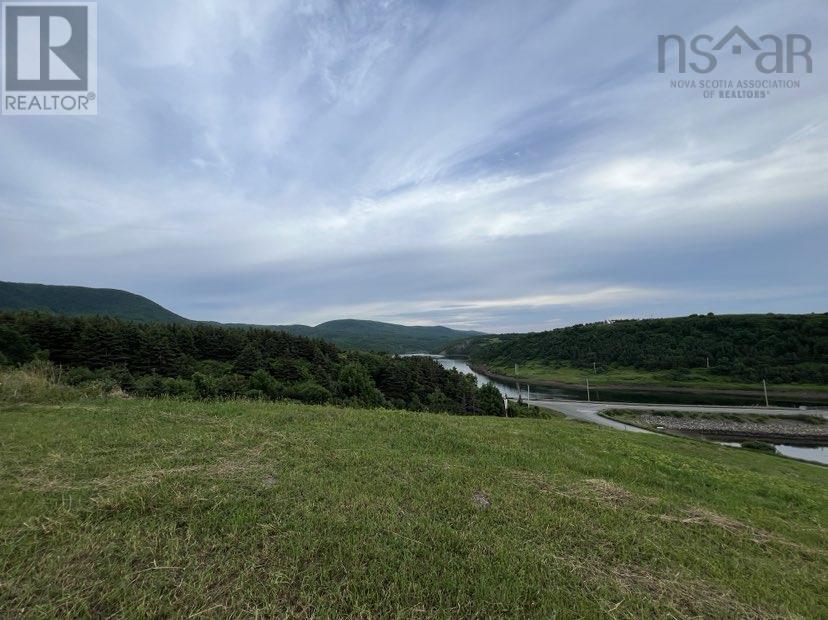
{"points": [[346, 333], [83, 301], [373, 336]]}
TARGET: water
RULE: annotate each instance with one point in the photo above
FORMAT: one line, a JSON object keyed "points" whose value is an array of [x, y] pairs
{"points": [[597, 394], [818, 454], [547, 393], [814, 454], [463, 367], [804, 452], [510, 389]]}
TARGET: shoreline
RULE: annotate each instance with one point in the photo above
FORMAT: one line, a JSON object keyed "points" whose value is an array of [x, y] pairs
{"points": [[655, 389], [720, 430], [716, 436]]}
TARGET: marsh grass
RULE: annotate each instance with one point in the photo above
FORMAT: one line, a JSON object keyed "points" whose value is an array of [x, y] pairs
{"points": [[701, 378], [41, 382]]}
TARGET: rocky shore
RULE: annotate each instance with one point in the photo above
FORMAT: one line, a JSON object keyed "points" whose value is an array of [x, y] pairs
{"points": [[771, 429]]}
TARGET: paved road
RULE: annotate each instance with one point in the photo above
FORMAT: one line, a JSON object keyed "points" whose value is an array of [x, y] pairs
{"points": [[588, 412]]}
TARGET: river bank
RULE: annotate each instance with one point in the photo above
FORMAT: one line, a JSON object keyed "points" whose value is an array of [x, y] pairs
{"points": [[803, 438], [805, 430], [805, 396], [575, 406]]}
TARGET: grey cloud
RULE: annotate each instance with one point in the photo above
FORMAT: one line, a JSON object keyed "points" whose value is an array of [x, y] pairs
{"points": [[422, 162]]}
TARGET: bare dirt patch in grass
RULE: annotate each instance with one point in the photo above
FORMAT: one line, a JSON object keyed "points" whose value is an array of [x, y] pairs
{"points": [[480, 499], [591, 489], [222, 468], [701, 517], [689, 597], [607, 492]]}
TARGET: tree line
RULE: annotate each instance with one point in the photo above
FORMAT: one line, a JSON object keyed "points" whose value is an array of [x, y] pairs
{"points": [[206, 361], [779, 348]]}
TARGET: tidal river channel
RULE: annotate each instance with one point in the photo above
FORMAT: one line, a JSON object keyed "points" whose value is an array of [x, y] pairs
{"points": [[817, 454]]}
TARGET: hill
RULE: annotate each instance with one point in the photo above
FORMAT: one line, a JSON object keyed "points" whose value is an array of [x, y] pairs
{"points": [[347, 334], [166, 508], [782, 349], [376, 336], [83, 301]]}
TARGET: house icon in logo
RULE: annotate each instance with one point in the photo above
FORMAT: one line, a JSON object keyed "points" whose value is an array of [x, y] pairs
{"points": [[736, 49]]}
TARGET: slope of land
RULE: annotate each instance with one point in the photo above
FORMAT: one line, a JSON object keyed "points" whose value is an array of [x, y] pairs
{"points": [[347, 333], [83, 301], [169, 508], [358, 335], [704, 352], [376, 336]]}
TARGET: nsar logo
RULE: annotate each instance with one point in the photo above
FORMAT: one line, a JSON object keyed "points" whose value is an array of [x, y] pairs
{"points": [[773, 54]]}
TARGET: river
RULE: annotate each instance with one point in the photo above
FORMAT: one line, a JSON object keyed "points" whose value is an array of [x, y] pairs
{"points": [[817, 454]]}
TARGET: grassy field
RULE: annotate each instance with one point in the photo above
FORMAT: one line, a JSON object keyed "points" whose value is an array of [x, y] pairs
{"points": [[694, 378], [140, 507]]}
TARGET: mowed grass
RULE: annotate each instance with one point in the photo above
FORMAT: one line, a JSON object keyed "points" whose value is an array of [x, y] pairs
{"points": [[135, 508], [693, 378]]}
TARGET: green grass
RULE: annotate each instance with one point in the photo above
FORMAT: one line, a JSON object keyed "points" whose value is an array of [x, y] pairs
{"points": [[693, 378], [138, 508]]}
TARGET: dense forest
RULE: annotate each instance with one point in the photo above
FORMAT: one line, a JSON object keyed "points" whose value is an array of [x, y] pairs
{"points": [[346, 334], [207, 361], [779, 348]]}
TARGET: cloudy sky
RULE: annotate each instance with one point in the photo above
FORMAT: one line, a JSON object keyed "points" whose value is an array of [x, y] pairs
{"points": [[495, 165]]}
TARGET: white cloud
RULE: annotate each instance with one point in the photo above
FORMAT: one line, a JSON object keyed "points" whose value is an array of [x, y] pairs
{"points": [[237, 137]]}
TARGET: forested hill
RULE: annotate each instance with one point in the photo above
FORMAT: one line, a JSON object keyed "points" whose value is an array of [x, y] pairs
{"points": [[375, 336], [83, 301], [780, 348], [356, 335], [347, 334], [205, 361]]}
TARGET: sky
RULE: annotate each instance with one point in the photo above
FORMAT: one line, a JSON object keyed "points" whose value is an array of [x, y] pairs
{"points": [[492, 165]]}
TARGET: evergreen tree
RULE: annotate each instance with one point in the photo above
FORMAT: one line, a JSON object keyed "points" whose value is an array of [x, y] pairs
{"points": [[15, 347], [249, 360], [490, 401], [355, 384]]}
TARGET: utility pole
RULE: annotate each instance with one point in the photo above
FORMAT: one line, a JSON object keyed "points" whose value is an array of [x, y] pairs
{"points": [[765, 388], [708, 362], [594, 368], [589, 398]]}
